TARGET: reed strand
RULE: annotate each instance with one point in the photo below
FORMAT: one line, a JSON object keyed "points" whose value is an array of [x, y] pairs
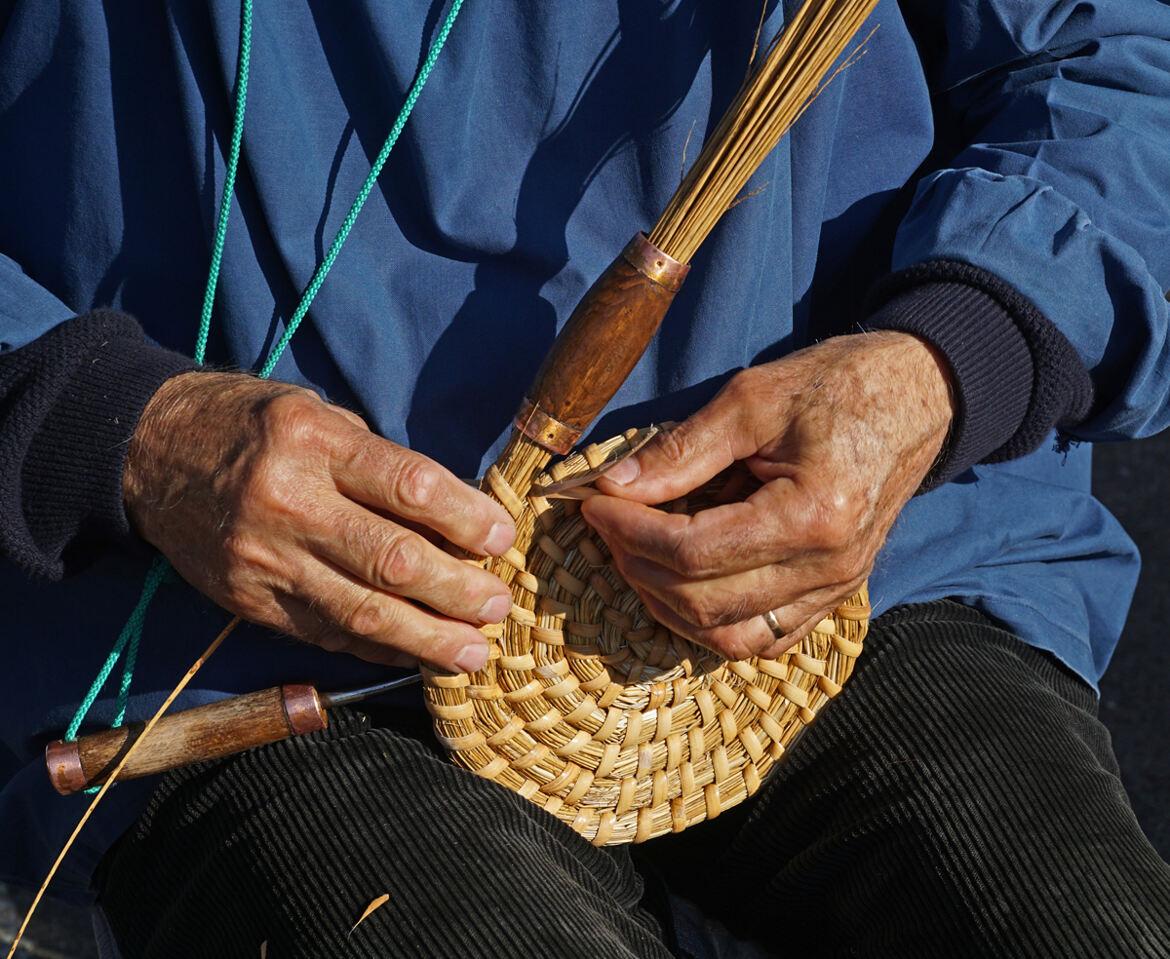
{"points": [[112, 777], [795, 68]]}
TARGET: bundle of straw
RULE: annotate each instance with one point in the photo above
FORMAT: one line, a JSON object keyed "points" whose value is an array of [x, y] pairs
{"points": [[586, 705], [772, 98]]}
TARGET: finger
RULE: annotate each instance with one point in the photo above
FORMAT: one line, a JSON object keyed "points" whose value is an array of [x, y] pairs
{"points": [[683, 458], [781, 521], [296, 618], [371, 616], [741, 640], [389, 477], [721, 540], [722, 601], [753, 636], [397, 560], [790, 590], [789, 637]]}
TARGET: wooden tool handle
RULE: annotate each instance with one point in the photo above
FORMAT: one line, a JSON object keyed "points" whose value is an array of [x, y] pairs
{"points": [[194, 735], [599, 346]]}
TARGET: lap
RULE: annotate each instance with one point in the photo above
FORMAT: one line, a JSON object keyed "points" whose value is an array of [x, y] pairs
{"points": [[288, 844], [958, 796]]}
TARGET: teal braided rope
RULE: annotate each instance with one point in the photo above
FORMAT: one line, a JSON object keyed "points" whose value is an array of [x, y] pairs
{"points": [[327, 263], [229, 180], [160, 570], [128, 640]]}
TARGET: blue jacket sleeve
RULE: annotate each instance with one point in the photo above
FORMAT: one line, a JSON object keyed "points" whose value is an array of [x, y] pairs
{"points": [[1054, 142], [27, 309]]}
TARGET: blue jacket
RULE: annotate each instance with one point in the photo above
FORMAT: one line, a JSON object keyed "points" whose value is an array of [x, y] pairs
{"points": [[997, 168]]}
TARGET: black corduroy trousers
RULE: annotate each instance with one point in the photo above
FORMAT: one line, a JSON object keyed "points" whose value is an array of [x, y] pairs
{"points": [[959, 798]]}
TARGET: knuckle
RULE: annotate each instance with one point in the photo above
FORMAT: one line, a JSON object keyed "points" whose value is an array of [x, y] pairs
{"points": [[240, 553], [742, 386], [691, 609], [417, 483], [371, 616], [856, 564], [732, 644], [832, 523], [693, 557], [355, 418], [711, 611], [248, 575], [673, 444], [400, 561], [293, 415], [268, 487]]}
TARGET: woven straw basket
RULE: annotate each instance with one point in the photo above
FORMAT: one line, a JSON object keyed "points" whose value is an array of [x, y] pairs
{"points": [[595, 712]]}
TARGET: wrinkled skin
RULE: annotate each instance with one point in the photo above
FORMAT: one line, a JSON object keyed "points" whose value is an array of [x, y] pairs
{"points": [[840, 434], [290, 512]]}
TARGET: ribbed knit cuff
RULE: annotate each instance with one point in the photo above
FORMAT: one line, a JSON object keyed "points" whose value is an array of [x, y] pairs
{"points": [[83, 387], [1014, 374]]}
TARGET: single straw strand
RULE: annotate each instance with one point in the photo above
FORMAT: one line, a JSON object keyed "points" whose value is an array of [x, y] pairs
{"points": [[151, 723], [347, 224], [811, 64]]}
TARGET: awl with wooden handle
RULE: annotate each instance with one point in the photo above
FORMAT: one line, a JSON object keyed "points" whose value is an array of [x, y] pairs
{"points": [[205, 732]]}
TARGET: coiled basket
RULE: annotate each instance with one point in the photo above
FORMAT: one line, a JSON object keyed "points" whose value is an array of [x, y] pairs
{"points": [[600, 715]]}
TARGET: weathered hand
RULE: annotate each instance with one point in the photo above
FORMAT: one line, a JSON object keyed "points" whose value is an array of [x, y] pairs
{"points": [[840, 434], [290, 512]]}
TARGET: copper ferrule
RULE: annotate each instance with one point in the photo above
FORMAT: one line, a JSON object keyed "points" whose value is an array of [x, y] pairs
{"points": [[545, 430], [599, 345], [655, 265], [302, 709], [63, 760]]}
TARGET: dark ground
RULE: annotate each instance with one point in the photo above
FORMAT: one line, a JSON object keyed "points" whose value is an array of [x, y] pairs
{"points": [[1135, 696]]}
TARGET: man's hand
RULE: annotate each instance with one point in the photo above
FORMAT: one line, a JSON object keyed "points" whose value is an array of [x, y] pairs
{"points": [[290, 512], [841, 435]]}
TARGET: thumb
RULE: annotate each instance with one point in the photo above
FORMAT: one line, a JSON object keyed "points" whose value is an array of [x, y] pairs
{"points": [[678, 460]]}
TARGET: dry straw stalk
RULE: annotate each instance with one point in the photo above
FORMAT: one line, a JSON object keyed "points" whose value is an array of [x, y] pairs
{"points": [[795, 68]]}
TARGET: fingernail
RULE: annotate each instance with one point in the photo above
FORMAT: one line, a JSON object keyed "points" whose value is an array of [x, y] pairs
{"points": [[624, 472], [499, 539], [472, 658], [495, 609]]}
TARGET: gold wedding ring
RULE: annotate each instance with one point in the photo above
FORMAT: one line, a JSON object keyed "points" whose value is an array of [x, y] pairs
{"points": [[778, 631]]}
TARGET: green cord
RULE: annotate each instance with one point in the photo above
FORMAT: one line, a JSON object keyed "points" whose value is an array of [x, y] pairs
{"points": [[160, 569], [229, 180], [128, 642]]}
